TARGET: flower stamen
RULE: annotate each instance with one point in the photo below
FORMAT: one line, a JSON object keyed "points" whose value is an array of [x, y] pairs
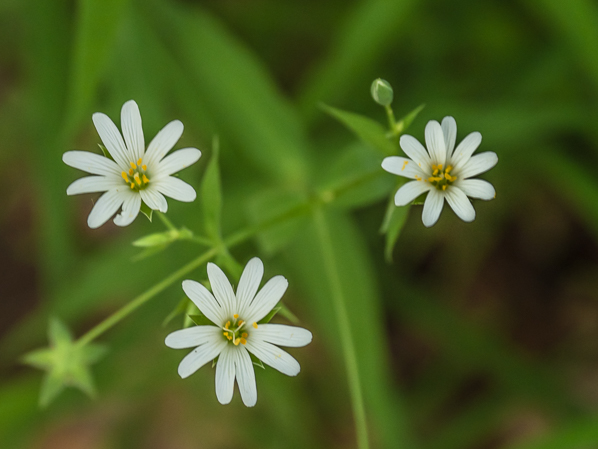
{"points": [[441, 179], [136, 176]]}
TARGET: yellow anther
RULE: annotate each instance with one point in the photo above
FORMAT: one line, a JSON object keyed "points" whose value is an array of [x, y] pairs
{"points": [[227, 325], [237, 341], [244, 335], [230, 337], [444, 187], [243, 341], [133, 166], [226, 334], [132, 185], [139, 161], [254, 325], [235, 316], [125, 177], [435, 172], [131, 172], [404, 165], [448, 168], [145, 179], [241, 322], [144, 167], [137, 178]]}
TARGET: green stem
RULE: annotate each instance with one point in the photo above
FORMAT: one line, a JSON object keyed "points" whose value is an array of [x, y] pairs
{"points": [[344, 326], [392, 122], [166, 221], [127, 309]]}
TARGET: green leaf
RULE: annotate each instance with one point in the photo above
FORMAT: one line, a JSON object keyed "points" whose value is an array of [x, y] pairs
{"points": [[369, 131], [145, 210], [211, 195], [407, 120]]}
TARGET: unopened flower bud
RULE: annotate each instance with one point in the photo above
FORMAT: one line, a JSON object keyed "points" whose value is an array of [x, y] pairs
{"points": [[382, 92]]}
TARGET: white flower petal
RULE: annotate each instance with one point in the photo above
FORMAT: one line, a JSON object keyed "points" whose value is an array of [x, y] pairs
{"points": [[449, 129], [403, 167], [225, 375], [477, 188], [415, 151], [201, 355], [130, 122], [478, 164], [105, 207], [464, 150], [163, 142], [266, 299], [432, 207], [154, 199], [274, 356], [175, 189], [249, 284], [222, 289], [130, 209], [112, 139], [435, 142], [192, 336], [205, 302], [91, 163], [245, 376], [410, 191], [91, 184], [460, 203], [178, 160], [280, 334]]}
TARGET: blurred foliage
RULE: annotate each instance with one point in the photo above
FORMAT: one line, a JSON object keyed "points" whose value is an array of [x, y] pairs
{"points": [[481, 335]]}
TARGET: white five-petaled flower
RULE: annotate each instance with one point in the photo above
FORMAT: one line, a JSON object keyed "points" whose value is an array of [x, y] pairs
{"points": [[236, 331], [443, 171], [135, 174]]}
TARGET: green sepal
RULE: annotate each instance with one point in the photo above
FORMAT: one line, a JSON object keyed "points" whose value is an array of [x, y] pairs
{"points": [[215, 361], [393, 224], [148, 252], [180, 309], [200, 320], [145, 210], [407, 120], [257, 362], [192, 310], [271, 314], [211, 195], [105, 151], [66, 363], [285, 312], [369, 131]]}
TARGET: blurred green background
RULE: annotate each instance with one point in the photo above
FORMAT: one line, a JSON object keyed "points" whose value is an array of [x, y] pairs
{"points": [[478, 336]]}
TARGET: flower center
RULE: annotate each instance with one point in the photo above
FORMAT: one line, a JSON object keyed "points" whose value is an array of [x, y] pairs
{"points": [[136, 177], [441, 178], [233, 330]]}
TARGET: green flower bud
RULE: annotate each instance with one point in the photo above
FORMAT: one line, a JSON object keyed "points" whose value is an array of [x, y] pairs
{"points": [[382, 92]]}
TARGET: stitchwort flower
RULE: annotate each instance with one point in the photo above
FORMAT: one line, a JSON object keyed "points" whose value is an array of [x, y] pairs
{"points": [[131, 174], [443, 171], [237, 331]]}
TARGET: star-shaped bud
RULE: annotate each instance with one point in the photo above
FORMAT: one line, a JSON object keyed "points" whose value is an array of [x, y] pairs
{"points": [[66, 363]]}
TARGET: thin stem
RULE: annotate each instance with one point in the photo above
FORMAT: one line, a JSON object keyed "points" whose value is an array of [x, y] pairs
{"points": [[166, 221], [392, 122], [127, 309], [344, 326]]}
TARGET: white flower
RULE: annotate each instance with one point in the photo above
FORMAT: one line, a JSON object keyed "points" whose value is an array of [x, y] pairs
{"points": [[236, 331], [442, 172], [135, 174]]}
